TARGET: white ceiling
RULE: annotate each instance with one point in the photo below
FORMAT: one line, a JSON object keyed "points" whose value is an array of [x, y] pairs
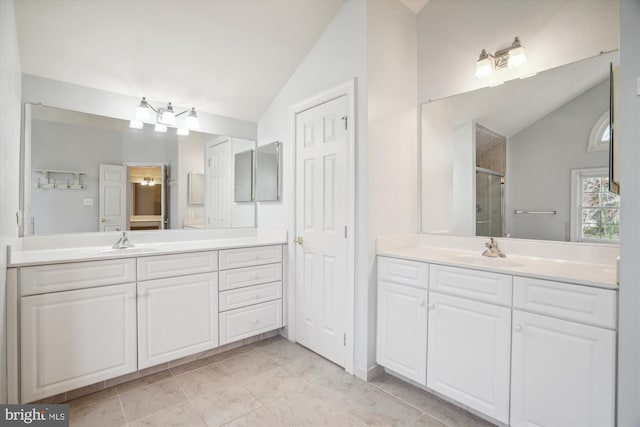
{"points": [[227, 57]]}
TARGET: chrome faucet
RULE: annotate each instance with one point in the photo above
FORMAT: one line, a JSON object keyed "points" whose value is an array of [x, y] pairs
{"points": [[493, 250], [123, 242]]}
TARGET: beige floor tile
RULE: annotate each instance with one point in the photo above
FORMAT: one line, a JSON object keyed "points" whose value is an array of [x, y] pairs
{"points": [[379, 408], [311, 367], [428, 421], [431, 404], [91, 399], [284, 351], [224, 405], [145, 401], [104, 413], [261, 417], [273, 384], [178, 416], [204, 380], [345, 419], [245, 366], [229, 354], [192, 366], [301, 410], [341, 388], [270, 341], [85, 391], [143, 382]]}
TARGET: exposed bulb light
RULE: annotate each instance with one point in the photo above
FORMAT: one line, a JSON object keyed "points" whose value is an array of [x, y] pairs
{"points": [[143, 112], [517, 57], [144, 182], [192, 119], [168, 117], [160, 128], [151, 183], [182, 132], [512, 57], [136, 124], [484, 65]]}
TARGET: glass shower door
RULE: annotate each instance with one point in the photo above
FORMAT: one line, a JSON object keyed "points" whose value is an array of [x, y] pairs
{"points": [[489, 206]]}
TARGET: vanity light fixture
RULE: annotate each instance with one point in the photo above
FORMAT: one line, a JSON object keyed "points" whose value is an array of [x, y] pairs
{"points": [[151, 182], [512, 57], [182, 132], [147, 181], [164, 117]]}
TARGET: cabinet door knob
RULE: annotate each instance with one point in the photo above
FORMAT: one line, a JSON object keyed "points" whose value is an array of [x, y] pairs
{"points": [[432, 306], [517, 327], [422, 303], [103, 219], [299, 240], [255, 322]]}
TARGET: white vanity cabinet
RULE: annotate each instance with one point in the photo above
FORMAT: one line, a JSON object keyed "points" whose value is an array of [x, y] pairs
{"points": [[78, 335], [563, 371], [250, 292], [402, 317], [469, 341]]}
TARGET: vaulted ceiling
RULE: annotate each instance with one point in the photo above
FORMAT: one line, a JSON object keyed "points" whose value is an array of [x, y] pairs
{"points": [[227, 57]]}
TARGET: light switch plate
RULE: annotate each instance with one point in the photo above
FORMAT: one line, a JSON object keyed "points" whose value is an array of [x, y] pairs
{"points": [[87, 202]]}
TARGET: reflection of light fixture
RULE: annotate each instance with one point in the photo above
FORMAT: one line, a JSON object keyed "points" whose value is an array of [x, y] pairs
{"points": [[182, 132], [151, 182], [164, 117], [148, 181], [144, 182], [512, 57]]}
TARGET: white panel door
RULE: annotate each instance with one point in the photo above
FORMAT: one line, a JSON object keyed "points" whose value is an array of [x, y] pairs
{"points": [[75, 338], [402, 330], [469, 353], [113, 198], [562, 374], [321, 219], [177, 317], [218, 185]]}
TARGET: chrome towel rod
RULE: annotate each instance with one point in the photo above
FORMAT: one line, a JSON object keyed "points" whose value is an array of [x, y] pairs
{"points": [[548, 212]]}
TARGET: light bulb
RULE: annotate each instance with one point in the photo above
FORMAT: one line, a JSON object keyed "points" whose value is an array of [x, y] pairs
{"points": [[144, 182], [183, 132], [143, 112], [484, 67], [152, 183], [192, 119], [160, 128], [136, 124], [168, 117], [516, 55]]}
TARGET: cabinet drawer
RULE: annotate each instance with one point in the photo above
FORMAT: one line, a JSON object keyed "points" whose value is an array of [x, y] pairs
{"points": [[64, 277], [578, 303], [478, 285], [249, 321], [244, 257], [250, 295], [241, 277], [404, 272], [157, 267]]}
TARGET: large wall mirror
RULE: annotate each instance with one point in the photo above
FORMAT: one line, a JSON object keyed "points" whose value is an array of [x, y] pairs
{"points": [[525, 159], [88, 173]]}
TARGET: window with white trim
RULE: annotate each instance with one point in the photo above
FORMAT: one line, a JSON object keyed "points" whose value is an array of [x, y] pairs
{"points": [[595, 212], [599, 136]]}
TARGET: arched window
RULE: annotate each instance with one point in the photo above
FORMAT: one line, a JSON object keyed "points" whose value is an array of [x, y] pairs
{"points": [[599, 136]]}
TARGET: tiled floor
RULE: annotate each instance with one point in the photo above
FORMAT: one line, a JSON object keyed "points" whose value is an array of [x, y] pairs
{"points": [[270, 383]]}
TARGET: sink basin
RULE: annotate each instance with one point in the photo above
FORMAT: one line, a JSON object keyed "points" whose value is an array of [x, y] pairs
{"points": [[133, 250], [486, 261]]}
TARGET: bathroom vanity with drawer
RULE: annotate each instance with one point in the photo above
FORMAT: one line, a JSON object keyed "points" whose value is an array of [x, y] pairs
{"points": [[76, 322], [509, 344]]}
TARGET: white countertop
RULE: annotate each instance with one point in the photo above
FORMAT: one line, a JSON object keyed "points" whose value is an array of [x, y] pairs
{"points": [[93, 253], [590, 274]]}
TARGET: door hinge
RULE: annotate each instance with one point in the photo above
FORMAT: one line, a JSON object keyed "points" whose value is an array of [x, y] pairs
{"points": [[345, 231], [345, 119], [345, 339]]}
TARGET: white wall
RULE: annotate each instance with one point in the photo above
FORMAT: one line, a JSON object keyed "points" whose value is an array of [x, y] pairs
{"points": [[628, 136], [451, 35], [392, 142], [338, 56], [539, 162], [10, 82], [74, 97]]}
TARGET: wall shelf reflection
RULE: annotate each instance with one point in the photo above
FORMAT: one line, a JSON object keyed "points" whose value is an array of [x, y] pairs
{"points": [[75, 182]]}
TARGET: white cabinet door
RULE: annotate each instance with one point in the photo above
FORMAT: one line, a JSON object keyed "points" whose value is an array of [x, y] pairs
{"points": [[402, 330], [563, 373], [177, 317], [75, 338], [468, 356]]}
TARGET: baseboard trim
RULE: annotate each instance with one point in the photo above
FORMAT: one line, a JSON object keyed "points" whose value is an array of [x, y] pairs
{"points": [[368, 374]]}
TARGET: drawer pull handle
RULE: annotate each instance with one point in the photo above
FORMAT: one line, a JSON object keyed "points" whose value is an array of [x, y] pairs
{"points": [[255, 322], [257, 296], [517, 327], [256, 276]]}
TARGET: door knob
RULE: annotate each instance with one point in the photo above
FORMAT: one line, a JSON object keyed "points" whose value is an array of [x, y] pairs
{"points": [[299, 240], [103, 219], [517, 327]]}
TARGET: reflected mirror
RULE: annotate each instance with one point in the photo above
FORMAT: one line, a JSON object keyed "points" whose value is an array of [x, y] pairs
{"points": [[88, 173], [526, 159], [243, 176], [268, 173]]}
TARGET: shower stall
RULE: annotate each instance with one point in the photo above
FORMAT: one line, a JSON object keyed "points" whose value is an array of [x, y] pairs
{"points": [[489, 203]]}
